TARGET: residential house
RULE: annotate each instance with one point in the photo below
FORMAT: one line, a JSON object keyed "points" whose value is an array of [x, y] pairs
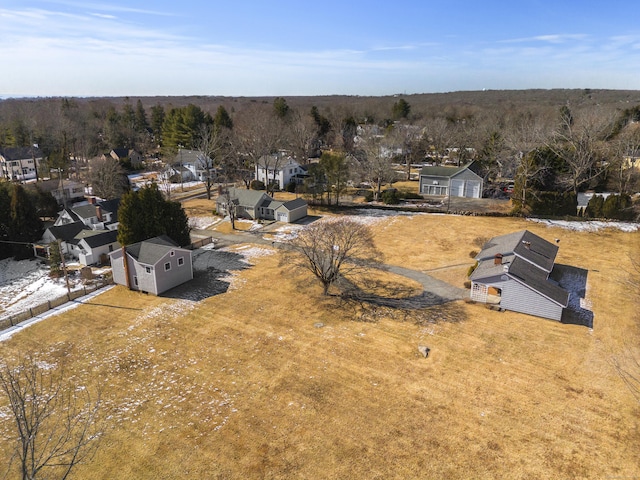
{"points": [[122, 154], [152, 266], [255, 204], [65, 191], [100, 215], [280, 169], [87, 246], [196, 162], [632, 159], [454, 181], [513, 274], [19, 164]]}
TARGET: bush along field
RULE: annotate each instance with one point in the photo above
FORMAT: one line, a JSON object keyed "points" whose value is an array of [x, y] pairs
{"points": [[259, 375]]}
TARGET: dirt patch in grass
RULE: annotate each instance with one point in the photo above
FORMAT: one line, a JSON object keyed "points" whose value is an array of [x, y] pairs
{"points": [[246, 384]]}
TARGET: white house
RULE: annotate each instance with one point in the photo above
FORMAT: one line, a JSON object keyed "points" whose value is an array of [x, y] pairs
{"points": [[20, 163], [281, 169]]}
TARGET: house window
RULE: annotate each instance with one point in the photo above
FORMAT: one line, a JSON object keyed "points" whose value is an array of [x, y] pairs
{"points": [[167, 266], [148, 269], [111, 248], [181, 261], [172, 253], [135, 281]]}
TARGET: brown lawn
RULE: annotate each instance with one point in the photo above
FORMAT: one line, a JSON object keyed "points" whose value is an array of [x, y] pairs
{"points": [[243, 385]]}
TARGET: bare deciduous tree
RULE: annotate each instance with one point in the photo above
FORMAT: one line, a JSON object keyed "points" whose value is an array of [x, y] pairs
{"points": [[55, 423], [107, 178], [211, 141], [331, 249]]}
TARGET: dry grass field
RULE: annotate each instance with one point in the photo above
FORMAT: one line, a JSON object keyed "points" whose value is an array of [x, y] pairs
{"points": [[245, 384]]}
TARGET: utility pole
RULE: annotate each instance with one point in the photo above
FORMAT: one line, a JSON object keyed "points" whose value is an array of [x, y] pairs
{"points": [[64, 269]]}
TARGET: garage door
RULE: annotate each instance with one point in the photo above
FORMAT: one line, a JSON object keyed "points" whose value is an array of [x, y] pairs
{"points": [[472, 189], [282, 216], [457, 188]]}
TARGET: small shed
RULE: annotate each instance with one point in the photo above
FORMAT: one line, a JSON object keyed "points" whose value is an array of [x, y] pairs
{"points": [[291, 211]]}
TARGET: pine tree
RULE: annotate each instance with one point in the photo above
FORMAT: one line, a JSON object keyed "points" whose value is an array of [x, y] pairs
{"points": [[146, 214], [25, 224]]}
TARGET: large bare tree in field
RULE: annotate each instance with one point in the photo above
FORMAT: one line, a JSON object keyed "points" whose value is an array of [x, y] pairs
{"points": [[374, 162], [55, 423], [331, 249]]}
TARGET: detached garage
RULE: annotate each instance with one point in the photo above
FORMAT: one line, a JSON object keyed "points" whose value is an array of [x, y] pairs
{"points": [[456, 181], [291, 211]]}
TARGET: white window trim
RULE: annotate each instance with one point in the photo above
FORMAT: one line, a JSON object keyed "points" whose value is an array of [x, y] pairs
{"points": [[167, 266]]}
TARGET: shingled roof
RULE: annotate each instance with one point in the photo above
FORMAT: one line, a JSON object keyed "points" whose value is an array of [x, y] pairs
{"points": [[150, 251]]}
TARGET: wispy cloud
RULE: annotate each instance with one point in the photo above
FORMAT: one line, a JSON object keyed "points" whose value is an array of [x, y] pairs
{"points": [[554, 39], [105, 7]]}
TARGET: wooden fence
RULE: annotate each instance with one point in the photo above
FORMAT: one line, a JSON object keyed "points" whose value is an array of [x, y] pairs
{"points": [[200, 243], [6, 322]]}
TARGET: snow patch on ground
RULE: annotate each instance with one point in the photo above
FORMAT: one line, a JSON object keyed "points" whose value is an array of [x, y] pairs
{"points": [[588, 226], [26, 283], [202, 223]]}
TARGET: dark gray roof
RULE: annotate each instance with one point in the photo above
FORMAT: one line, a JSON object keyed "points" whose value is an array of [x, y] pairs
{"points": [[99, 238], [88, 211], [194, 157], [525, 244], [20, 153], [442, 171], [66, 232], [245, 198], [293, 204], [150, 251], [121, 152], [537, 280]]}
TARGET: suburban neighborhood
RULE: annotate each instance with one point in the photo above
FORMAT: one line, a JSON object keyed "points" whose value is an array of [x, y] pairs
{"points": [[284, 300]]}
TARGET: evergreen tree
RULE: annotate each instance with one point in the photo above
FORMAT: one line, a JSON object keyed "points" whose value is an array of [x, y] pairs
{"points": [[401, 109], [5, 220], [157, 119], [140, 120], [222, 118], [25, 224], [280, 107], [146, 214], [55, 259], [181, 126]]}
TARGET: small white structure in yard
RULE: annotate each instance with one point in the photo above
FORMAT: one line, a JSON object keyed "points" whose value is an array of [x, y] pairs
{"points": [[513, 274], [152, 266]]}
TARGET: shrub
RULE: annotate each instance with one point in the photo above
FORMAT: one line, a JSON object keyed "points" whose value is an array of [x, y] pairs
{"points": [[410, 196], [291, 187], [467, 284], [617, 207], [472, 269], [257, 185], [368, 196], [390, 197], [594, 207], [473, 253]]}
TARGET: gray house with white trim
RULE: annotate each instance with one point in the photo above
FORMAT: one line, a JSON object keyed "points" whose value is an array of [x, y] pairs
{"points": [[255, 204], [459, 181], [152, 266], [513, 273]]}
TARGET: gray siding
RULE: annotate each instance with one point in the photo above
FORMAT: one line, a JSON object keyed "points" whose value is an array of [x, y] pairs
{"points": [[427, 181], [519, 298], [117, 268], [178, 274]]}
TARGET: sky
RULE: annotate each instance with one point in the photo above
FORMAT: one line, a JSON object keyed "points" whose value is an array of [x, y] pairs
{"points": [[288, 48]]}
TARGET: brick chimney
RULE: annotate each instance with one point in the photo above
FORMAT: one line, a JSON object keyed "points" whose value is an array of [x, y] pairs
{"points": [[497, 259], [99, 213]]}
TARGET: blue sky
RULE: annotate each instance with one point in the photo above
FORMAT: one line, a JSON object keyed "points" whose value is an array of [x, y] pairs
{"points": [[251, 47]]}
